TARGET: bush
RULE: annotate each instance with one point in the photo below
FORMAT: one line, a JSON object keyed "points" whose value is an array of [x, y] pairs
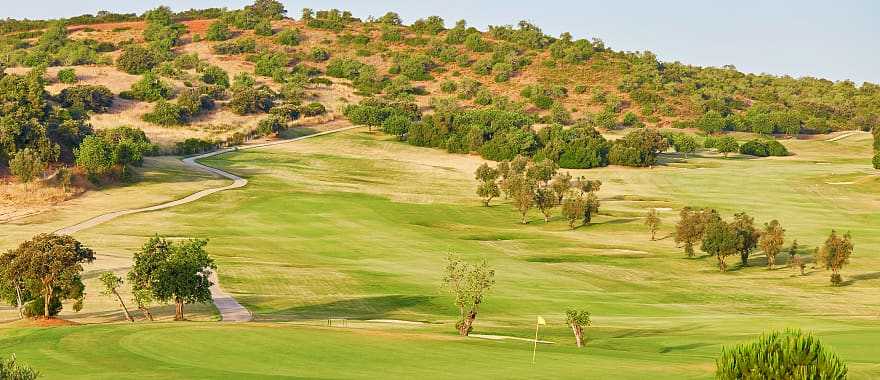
{"points": [[12, 369], [166, 113], [218, 31], [483, 97], [319, 54], [150, 88], [238, 46], [448, 86], [67, 76], [397, 125], [877, 160], [193, 145], [215, 75], [754, 148], [136, 59], [86, 98], [791, 354], [271, 124], [263, 28], [288, 37], [248, 100], [313, 109]]}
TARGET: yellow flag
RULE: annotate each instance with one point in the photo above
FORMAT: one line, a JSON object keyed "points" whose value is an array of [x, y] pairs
{"points": [[541, 321]]}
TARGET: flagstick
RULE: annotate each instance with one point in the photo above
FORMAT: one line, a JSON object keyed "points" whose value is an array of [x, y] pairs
{"points": [[535, 349]]}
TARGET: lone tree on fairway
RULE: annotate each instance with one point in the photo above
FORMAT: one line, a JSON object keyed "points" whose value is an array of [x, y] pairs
{"points": [[749, 235], [721, 240], [468, 283], [173, 272], [577, 320], [835, 253], [780, 355], [772, 240], [111, 283], [691, 226], [488, 187], [652, 220], [50, 265]]}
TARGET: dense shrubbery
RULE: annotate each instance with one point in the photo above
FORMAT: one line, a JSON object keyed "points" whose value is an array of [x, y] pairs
{"points": [[67, 76], [638, 148], [149, 88], [218, 31], [237, 46], [247, 100], [192, 146], [113, 150], [288, 37], [763, 148]]}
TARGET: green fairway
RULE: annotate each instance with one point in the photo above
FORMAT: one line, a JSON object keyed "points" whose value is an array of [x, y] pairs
{"points": [[358, 226]]}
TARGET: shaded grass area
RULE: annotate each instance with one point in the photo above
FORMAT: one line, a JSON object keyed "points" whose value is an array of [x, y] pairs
{"points": [[353, 226]]}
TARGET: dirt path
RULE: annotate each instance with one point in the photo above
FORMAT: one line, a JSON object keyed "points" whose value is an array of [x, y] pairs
{"points": [[230, 309]]}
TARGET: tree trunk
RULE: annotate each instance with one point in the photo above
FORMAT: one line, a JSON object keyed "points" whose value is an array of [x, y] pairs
{"points": [[744, 257], [47, 299], [124, 309], [524, 221], [653, 234], [178, 310], [18, 299], [578, 334], [771, 259], [546, 218], [466, 324], [146, 312], [721, 264]]}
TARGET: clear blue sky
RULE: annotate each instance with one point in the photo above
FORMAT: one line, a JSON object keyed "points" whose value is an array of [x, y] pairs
{"points": [[835, 40]]}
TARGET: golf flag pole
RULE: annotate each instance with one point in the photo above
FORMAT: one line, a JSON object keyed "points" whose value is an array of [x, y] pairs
{"points": [[541, 321]]}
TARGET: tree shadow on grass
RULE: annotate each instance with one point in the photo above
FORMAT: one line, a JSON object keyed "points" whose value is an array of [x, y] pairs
{"points": [[355, 308], [860, 277]]}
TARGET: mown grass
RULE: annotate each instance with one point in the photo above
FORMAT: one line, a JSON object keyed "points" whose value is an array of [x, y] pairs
{"points": [[356, 226]]}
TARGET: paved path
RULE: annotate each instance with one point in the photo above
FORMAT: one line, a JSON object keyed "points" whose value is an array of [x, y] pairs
{"points": [[230, 309]]}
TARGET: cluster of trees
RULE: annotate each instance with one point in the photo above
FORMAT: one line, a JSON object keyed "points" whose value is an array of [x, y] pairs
{"points": [[43, 272], [113, 151], [740, 235], [529, 184]]}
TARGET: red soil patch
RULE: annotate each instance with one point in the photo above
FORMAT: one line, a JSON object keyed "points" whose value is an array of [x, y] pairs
{"points": [[194, 26]]}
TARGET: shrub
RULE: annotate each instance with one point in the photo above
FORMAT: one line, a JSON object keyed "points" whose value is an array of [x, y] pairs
{"points": [[397, 125], [193, 145], [319, 54], [313, 109], [263, 28], [150, 88], [448, 86], [12, 369], [727, 144], [86, 98], [67, 76], [288, 37], [877, 160], [754, 148], [215, 75], [483, 97], [218, 31], [136, 59], [166, 113], [791, 354], [288, 112], [271, 124], [238, 46], [638, 148], [248, 100]]}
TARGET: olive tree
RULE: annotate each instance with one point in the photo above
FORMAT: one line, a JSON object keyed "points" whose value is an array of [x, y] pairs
{"points": [[835, 253], [790, 354], [468, 284], [521, 189], [577, 320], [173, 272], [111, 283], [771, 241], [488, 183]]}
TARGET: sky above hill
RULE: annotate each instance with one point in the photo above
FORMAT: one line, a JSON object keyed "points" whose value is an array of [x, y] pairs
{"points": [[835, 40]]}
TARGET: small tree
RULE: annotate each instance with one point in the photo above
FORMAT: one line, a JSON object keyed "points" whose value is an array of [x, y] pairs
{"points": [[488, 187], [573, 207], [652, 220], [727, 145], [173, 271], [521, 189], [577, 320], [26, 165], [835, 253], [94, 156], [780, 355], [560, 184], [691, 227], [591, 207], [771, 241], [720, 240], [749, 235], [545, 199], [142, 298], [111, 283], [468, 283], [52, 264], [795, 257]]}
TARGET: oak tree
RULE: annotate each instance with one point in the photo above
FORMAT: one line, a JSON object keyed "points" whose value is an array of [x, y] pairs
{"points": [[835, 254], [771, 241], [468, 284], [577, 320]]}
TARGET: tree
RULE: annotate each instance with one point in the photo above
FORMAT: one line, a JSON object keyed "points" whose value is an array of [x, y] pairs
{"points": [[12, 369], [791, 354], [573, 208], [577, 320], [136, 59], [94, 156], [111, 283], [521, 189], [488, 187], [173, 271], [691, 227], [684, 144], [795, 257], [835, 253], [560, 184], [720, 240], [218, 31], [50, 265], [545, 199], [652, 220], [727, 145], [468, 284], [745, 228], [26, 165], [771, 241], [591, 207]]}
